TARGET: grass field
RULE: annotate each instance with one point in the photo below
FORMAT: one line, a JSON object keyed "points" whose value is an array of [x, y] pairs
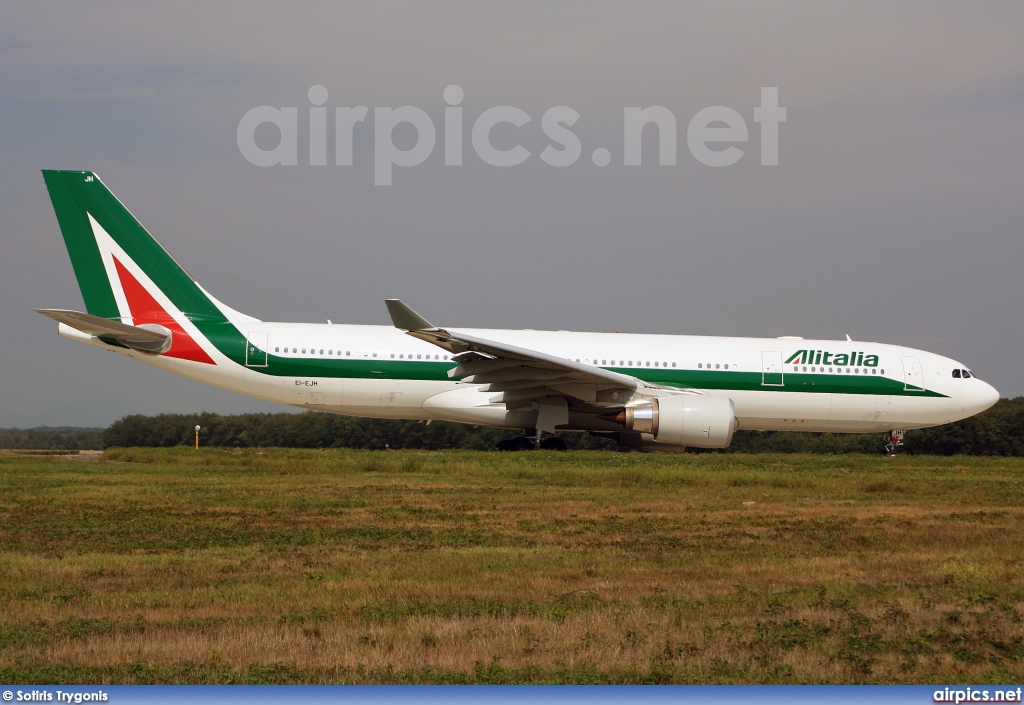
{"points": [[175, 565]]}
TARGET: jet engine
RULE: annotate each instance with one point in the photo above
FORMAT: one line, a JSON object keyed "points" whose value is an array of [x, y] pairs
{"points": [[697, 421]]}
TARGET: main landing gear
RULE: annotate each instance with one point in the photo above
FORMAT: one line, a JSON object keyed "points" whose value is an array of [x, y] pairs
{"points": [[894, 443], [515, 444], [553, 443], [540, 440]]}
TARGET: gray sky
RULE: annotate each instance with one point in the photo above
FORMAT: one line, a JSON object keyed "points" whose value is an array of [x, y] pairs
{"points": [[895, 213]]}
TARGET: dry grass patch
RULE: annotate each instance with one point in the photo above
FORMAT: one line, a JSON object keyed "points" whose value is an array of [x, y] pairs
{"points": [[168, 565]]}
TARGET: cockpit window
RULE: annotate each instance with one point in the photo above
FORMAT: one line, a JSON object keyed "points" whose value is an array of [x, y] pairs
{"points": [[967, 374], [956, 374]]}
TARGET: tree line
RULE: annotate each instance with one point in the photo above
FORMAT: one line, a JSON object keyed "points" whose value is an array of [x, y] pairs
{"points": [[51, 438], [998, 431]]}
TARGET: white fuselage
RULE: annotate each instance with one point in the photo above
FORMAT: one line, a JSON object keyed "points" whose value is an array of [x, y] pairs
{"points": [[905, 388]]}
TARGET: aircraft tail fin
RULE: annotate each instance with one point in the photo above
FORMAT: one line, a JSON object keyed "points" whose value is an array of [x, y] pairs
{"points": [[113, 255], [124, 274]]}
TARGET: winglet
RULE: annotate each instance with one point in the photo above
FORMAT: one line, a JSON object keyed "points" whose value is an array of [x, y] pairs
{"points": [[405, 318]]}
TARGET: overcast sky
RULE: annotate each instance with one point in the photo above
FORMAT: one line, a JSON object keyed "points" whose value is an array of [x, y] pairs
{"points": [[895, 213]]}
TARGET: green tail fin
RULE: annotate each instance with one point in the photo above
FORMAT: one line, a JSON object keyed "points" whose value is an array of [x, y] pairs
{"points": [[82, 203]]}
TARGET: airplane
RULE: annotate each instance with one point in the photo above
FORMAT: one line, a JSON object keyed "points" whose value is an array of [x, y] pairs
{"points": [[645, 392]]}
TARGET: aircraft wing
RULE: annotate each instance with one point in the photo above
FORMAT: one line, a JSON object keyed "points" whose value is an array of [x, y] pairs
{"points": [[518, 376], [149, 338]]}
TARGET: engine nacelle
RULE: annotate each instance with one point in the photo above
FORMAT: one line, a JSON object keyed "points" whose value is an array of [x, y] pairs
{"points": [[697, 421]]}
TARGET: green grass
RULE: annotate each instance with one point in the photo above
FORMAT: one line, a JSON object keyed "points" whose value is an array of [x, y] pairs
{"points": [[286, 566]]}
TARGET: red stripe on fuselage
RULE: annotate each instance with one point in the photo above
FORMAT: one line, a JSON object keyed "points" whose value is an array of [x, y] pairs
{"points": [[145, 309]]}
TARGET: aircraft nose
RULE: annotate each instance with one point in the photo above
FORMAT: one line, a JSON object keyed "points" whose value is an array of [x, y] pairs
{"points": [[989, 394], [982, 397]]}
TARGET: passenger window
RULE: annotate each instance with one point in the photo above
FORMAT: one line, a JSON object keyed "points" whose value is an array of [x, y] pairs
{"points": [[956, 374], [277, 349]]}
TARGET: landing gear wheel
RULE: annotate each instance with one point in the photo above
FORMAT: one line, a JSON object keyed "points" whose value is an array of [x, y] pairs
{"points": [[553, 443], [515, 444], [522, 443]]}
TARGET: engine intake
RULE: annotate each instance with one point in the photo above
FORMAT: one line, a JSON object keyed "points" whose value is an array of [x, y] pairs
{"points": [[698, 421]]}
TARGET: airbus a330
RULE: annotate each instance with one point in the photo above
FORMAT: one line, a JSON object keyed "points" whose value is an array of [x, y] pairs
{"points": [[649, 392]]}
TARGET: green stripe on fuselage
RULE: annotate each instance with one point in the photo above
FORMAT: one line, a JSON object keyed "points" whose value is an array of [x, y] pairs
{"points": [[793, 382]]}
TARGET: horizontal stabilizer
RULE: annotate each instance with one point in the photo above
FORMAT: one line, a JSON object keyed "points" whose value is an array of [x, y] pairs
{"points": [[147, 338]]}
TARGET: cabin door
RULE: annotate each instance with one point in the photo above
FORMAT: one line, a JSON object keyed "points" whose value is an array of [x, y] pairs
{"points": [[256, 349], [913, 377], [771, 368]]}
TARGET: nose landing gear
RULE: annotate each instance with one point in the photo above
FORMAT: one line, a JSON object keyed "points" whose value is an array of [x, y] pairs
{"points": [[894, 444]]}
